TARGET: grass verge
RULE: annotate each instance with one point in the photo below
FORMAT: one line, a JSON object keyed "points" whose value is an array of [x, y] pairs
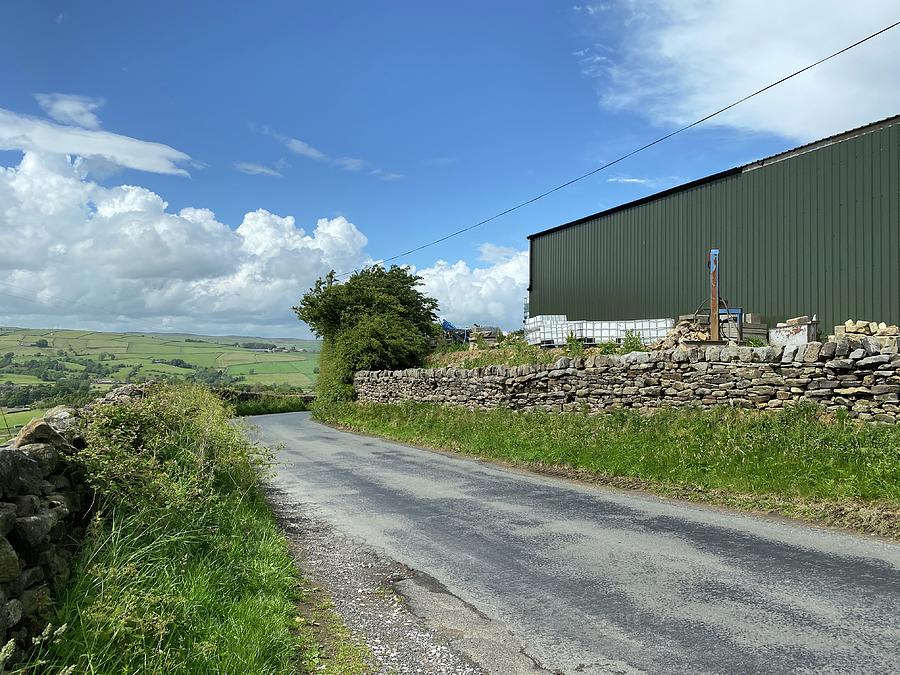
{"points": [[796, 462], [184, 569]]}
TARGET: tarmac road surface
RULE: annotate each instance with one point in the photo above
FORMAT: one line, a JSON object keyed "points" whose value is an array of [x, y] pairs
{"points": [[593, 580]]}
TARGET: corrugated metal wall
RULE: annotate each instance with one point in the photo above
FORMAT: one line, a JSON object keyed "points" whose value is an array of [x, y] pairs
{"points": [[818, 232]]}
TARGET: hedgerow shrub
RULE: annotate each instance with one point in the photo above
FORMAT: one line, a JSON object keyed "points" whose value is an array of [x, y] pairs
{"points": [[376, 320], [183, 569]]}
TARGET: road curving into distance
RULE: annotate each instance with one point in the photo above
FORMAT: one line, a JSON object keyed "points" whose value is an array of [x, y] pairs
{"points": [[593, 580]]}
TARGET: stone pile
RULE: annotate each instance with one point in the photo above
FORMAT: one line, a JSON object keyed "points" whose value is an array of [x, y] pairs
{"points": [[684, 331], [855, 373], [867, 328], [44, 506]]}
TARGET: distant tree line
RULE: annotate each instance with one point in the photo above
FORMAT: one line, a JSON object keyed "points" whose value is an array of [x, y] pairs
{"points": [[51, 370], [71, 391], [178, 363], [256, 345]]}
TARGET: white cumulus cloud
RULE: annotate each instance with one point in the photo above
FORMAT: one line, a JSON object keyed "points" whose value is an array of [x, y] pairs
{"points": [[678, 60], [81, 254], [118, 257], [72, 109], [487, 295]]}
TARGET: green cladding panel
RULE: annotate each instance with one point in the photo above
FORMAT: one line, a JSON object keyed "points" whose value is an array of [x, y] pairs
{"points": [[814, 231]]}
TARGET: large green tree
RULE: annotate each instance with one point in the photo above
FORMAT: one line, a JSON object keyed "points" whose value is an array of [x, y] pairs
{"points": [[376, 320]]}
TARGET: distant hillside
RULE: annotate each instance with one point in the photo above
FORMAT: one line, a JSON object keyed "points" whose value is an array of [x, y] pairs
{"points": [[76, 359]]}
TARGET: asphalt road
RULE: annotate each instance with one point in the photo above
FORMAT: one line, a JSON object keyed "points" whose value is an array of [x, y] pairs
{"points": [[592, 580]]}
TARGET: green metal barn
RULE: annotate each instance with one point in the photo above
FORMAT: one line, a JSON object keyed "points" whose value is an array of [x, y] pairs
{"points": [[814, 230]]}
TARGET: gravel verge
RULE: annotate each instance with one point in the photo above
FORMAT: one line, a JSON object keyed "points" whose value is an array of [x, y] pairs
{"points": [[361, 583]]}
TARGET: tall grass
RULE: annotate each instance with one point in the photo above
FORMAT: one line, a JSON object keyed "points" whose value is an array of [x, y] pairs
{"points": [[795, 453], [184, 569]]}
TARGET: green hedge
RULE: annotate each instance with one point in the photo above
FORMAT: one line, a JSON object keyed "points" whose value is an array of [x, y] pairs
{"points": [[184, 569]]}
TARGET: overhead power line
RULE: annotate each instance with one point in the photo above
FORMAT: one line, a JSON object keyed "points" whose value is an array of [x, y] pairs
{"points": [[632, 153]]}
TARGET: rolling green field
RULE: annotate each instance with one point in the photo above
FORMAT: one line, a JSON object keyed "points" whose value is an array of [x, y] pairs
{"points": [[15, 378], [11, 422], [130, 357]]}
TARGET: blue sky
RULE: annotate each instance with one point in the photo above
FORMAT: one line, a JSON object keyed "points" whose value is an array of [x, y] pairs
{"points": [[399, 120]]}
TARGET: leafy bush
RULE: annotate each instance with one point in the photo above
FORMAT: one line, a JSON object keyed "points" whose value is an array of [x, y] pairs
{"points": [[632, 343], [183, 569], [574, 346], [377, 319], [608, 348]]}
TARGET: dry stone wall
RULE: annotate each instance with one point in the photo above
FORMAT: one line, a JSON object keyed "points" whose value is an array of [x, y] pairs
{"points": [[44, 505], [859, 374]]}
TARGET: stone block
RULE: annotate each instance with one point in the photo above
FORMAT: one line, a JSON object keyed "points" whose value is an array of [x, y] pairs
{"points": [[32, 576], [813, 349], [8, 514], [46, 455], [841, 346], [27, 505], [728, 354], [9, 561], [18, 473], [35, 599], [680, 356], [870, 345], [788, 354], [871, 361], [852, 391], [13, 611], [34, 531], [39, 431]]}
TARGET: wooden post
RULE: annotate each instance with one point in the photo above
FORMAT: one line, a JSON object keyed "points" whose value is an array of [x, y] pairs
{"points": [[714, 294]]}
